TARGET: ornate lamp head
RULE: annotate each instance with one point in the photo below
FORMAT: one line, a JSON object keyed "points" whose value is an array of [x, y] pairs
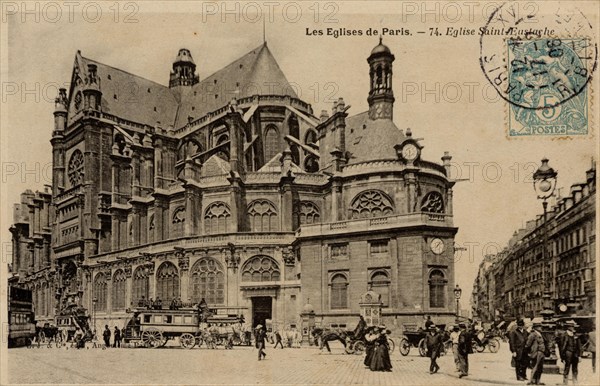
{"points": [[544, 180], [457, 292]]}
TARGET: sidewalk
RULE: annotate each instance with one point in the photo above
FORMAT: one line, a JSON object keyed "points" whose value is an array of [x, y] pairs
{"points": [[495, 369]]}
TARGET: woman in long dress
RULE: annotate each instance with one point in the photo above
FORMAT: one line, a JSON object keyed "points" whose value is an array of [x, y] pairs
{"points": [[381, 353], [370, 338]]}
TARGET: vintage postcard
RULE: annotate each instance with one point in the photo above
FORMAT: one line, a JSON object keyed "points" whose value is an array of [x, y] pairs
{"points": [[299, 192]]}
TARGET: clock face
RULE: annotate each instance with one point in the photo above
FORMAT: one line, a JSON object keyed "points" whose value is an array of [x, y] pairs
{"points": [[410, 152], [437, 246]]}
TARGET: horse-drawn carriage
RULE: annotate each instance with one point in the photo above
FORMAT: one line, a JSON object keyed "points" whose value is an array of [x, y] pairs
{"points": [[415, 337], [353, 344], [154, 328]]}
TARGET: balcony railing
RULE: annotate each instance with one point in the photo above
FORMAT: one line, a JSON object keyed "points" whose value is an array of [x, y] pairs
{"points": [[376, 223], [191, 242]]}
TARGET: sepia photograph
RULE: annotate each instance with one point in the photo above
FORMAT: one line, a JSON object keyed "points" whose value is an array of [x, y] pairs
{"points": [[299, 192]]}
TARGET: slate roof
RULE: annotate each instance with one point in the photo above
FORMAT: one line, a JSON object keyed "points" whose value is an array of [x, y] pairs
{"points": [[375, 141], [257, 72], [136, 97], [144, 101]]}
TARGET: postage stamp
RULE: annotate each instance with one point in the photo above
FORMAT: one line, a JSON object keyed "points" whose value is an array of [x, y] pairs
{"points": [[547, 81], [541, 64]]}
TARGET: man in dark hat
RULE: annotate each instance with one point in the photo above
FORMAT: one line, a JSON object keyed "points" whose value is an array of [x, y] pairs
{"points": [[570, 351], [536, 345], [261, 335], [106, 335], [434, 343], [464, 349], [517, 340]]}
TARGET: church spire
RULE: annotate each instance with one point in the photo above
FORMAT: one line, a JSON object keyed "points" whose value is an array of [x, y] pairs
{"points": [[381, 96]]}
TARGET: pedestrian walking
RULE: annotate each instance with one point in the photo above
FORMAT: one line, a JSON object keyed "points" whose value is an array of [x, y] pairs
{"points": [[278, 340], [517, 339], [370, 338], [464, 349], [106, 335], [454, 338], [117, 338], [261, 335], [434, 344], [570, 351], [536, 346], [591, 346], [380, 360]]}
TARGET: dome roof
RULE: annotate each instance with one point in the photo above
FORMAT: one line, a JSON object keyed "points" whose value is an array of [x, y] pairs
{"points": [[184, 55], [380, 49], [308, 308]]}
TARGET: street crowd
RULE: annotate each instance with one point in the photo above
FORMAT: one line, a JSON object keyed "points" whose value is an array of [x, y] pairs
{"points": [[528, 345]]}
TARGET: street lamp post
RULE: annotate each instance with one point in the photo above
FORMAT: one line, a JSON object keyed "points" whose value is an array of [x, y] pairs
{"points": [[544, 183], [457, 293]]}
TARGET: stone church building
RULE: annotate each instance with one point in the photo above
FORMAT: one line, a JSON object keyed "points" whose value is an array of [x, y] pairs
{"points": [[226, 190]]}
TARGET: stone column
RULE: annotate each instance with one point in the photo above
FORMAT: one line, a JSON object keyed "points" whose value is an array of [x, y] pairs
{"points": [[237, 213], [128, 287], [287, 220], [184, 276], [336, 193], [411, 198]]}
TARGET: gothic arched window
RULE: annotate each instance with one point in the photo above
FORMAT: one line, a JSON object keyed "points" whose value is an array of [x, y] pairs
{"points": [[207, 281], [178, 220], [167, 282], [75, 169], [140, 285], [380, 283], [308, 213], [263, 216], [261, 268], [437, 289], [118, 290], [339, 292], [433, 203], [271, 142], [100, 291], [216, 218], [294, 127], [371, 203]]}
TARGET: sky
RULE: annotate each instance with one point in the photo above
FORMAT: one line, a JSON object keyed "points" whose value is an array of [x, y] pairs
{"points": [[440, 90]]}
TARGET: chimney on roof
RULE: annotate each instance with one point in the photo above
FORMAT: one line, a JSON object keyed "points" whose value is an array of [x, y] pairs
{"points": [[591, 173]]}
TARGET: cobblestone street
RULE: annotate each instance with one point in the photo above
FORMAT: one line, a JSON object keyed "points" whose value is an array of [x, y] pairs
{"points": [[239, 366]]}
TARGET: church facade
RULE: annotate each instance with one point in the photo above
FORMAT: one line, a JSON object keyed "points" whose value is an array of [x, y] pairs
{"points": [[224, 190]]}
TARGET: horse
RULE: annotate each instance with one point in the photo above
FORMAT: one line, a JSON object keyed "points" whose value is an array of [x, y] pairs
{"points": [[325, 336]]}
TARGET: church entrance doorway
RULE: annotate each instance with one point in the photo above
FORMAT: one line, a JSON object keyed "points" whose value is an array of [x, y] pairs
{"points": [[262, 308]]}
